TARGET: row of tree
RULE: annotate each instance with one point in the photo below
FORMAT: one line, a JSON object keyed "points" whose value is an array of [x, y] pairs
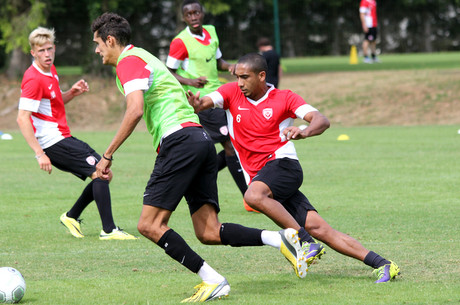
{"points": [[307, 27]]}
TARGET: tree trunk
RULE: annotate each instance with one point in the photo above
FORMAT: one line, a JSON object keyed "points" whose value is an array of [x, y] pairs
{"points": [[427, 32], [18, 63]]}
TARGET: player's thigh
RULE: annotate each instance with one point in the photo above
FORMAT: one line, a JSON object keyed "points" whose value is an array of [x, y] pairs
{"points": [[282, 176], [74, 156]]}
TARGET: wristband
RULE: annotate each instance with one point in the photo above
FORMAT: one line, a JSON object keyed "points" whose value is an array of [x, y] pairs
{"points": [[39, 156], [108, 159]]}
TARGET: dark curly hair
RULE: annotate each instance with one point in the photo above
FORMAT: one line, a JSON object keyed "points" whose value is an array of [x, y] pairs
{"points": [[113, 25]]}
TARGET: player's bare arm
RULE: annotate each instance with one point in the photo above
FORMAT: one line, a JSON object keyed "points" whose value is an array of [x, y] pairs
{"points": [[363, 22], [133, 114], [195, 82], [222, 65], [77, 89], [27, 131], [318, 123]]}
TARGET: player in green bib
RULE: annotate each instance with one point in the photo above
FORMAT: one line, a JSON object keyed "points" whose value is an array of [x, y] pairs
{"points": [[184, 167], [195, 59]]}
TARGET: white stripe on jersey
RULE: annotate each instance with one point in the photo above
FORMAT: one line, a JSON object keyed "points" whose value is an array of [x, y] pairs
{"points": [[136, 84], [303, 110], [28, 104], [47, 133]]}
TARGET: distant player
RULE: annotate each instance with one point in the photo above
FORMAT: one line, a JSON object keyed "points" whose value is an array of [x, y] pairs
{"points": [[43, 123], [274, 72], [261, 117], [368, 16], [195, 60], [185, 165]]}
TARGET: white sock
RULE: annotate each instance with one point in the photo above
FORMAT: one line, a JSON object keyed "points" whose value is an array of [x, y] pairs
{"points": [[209, 275], [271, 238]]}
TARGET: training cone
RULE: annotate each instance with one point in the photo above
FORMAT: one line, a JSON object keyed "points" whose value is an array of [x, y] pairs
{"points": [[343, 137], [353, 55]]}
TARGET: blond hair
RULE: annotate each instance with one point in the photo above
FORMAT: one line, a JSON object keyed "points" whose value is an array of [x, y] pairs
{"points": [[40, 36]]}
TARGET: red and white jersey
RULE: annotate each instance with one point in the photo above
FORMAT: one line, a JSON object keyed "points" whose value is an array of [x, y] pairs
{"points": [[369, 8], [41, 94], [134, 73], [255, 127], [178, 54]]}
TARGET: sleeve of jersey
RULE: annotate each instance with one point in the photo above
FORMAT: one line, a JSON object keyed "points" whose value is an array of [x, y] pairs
{"points": [[31, 95], [221, 97], [177, 54], [298, 105], [363, 7], [134, 74]]}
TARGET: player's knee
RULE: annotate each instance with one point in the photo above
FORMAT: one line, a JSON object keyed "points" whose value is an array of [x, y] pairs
{"points": [[208, 238]]}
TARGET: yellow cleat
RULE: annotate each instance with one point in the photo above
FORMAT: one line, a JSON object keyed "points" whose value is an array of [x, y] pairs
{"points": [[116, 234], [207, 292], [291, 249], [73, 225]]}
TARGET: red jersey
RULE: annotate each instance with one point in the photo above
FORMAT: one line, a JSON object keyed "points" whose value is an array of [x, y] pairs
{"points": [[41, 94], [369, 8], [255, 127]]}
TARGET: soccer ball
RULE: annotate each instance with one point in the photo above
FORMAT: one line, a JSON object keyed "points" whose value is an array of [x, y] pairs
{"points": [[12, 285]]}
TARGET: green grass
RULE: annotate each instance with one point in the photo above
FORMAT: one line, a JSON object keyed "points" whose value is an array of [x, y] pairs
{"points": [[395, 189], [445, 60]]}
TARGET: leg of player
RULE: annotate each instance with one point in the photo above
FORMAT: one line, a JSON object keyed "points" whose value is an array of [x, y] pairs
{"points": [[234, 166], [210, 231], [259, 196], [342, 243], [153, 224]]}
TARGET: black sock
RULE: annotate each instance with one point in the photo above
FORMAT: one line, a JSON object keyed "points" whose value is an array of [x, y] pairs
{"points": [[373, 56], [305, 236], [221, 162], [101, 193], [82, 202], [237, 235], [176, 247], [374, 260], [234, 167]]}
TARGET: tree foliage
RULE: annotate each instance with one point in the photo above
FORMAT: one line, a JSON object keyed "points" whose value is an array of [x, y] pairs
{"points": [[307, 27], [18, 19]]}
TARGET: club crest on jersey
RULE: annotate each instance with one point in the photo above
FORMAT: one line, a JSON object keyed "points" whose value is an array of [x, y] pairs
{"points": [[224, 130], [91, 160], [53, 94], [268, 113]]}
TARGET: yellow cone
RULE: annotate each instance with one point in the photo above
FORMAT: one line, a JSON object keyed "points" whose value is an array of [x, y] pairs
{"points": [[343, 137], [353, 56]]}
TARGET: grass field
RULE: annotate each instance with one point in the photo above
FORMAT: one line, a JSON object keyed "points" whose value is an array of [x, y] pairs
{"points": [[417, 61], [393, 188]]}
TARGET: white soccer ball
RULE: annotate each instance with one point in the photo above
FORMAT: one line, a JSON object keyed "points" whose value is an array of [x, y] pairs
{"points": [[12, 285]]}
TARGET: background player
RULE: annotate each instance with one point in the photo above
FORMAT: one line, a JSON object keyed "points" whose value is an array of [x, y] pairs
{"points": [[274, 70], [262, 118], [43, 123], [368, 16], [195, 60], [185, 165]]}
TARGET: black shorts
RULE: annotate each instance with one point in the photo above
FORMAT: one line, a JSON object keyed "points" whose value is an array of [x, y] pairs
{"points": [[371, 34], [74, 156], [214, 122], [284, 178], [185, 166]]}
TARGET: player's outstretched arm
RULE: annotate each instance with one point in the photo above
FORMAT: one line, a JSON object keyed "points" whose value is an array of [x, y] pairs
{"points": [[78, 88], [199, 104]]}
